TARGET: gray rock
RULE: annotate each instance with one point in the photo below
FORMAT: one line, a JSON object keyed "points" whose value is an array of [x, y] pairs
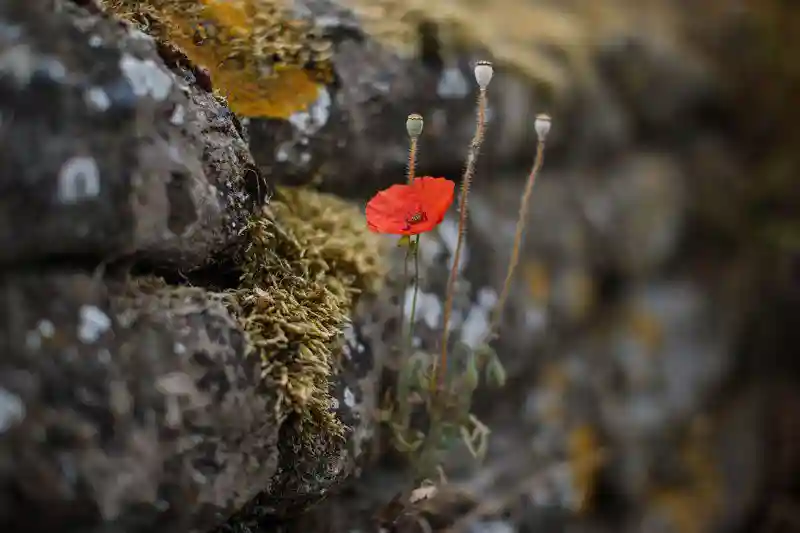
{"points": [[353, 139], [138, 409], [106, 152]]}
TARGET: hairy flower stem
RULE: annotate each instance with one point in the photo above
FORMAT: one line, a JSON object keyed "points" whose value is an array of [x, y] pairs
{"points": [[524, 207], [412, 160], [466, 180]]}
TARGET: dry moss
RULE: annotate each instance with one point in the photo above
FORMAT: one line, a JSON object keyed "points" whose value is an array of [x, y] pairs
{"points": [[550, 41], [263, 59], [309, 258]]}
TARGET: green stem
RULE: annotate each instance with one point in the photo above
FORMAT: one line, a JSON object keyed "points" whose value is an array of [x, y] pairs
{"points": [[403, 297], [410, 342]]}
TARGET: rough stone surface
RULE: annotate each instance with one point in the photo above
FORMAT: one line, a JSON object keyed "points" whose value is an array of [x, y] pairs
{"points": [[355, 132], [130, 409], [106, 152]]}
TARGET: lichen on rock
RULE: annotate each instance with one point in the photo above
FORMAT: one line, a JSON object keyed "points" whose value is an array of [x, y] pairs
{"points": [[265, 60], [310, 256]]}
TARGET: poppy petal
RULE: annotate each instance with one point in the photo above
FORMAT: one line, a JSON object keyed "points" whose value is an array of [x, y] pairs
{"points": [[436, 195], [386, 210]]}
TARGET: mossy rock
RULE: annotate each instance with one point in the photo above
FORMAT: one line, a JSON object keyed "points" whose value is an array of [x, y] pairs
{"points": [[310, 256], [176, 406]]}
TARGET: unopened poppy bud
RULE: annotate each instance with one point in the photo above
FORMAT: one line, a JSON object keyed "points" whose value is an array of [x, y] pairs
{"points": [[483, 73], [542, 126], [414, 125]]}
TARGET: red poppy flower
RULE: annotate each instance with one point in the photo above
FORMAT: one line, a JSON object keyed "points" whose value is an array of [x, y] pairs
{"points": [[410, 209]]}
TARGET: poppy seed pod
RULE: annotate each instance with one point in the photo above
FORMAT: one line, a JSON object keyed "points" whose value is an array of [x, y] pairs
{"points": [[414, 124], [483, 73], [542, 126]]}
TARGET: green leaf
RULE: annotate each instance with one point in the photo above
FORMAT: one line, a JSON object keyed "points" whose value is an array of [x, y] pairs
{"points": [[471, 372], [404, 242], [495, 372], [484, 353]]}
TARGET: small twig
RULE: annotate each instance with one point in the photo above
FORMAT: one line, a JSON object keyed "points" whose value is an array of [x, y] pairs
{"points": [[542, 129]]}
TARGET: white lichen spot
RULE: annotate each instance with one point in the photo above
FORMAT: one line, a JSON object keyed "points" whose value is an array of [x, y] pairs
{"points": [[176, 384], [93, 324], [12, 410], [475, 327], [282, 154], [18, 63], [138, 34], [104, 356], [448, 231], [33, 341], [46, 328], [178, 115], [78, 179], [536, 318], [487, 297], [493, 526], [34, 337], [429, 308], [349, 335], [146, 77], [349, 398], [315, 117], [97, 99], [452, 84], [54, 68]]}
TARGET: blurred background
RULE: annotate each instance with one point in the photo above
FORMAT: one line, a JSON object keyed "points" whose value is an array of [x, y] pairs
{"points": [[651, 338]]}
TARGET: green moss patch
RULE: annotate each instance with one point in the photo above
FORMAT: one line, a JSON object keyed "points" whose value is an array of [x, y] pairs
{"points": [[310, 256]]}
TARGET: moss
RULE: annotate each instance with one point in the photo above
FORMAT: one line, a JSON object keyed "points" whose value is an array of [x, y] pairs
{"points": [[309, 258], [264, 60], [550, 42]]}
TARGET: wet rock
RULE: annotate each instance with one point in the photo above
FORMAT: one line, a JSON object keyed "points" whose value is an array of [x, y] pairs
{"points": [[106, 152], [137, 408]]}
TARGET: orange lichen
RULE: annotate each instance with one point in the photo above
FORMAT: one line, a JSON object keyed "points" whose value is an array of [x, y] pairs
{"points": [[585, 459], [692, 507], [526, 41], [538, 280], [647, 329], [264, 61]]}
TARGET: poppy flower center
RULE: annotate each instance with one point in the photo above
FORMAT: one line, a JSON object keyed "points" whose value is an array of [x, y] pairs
{"points": [[416, 218]]}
